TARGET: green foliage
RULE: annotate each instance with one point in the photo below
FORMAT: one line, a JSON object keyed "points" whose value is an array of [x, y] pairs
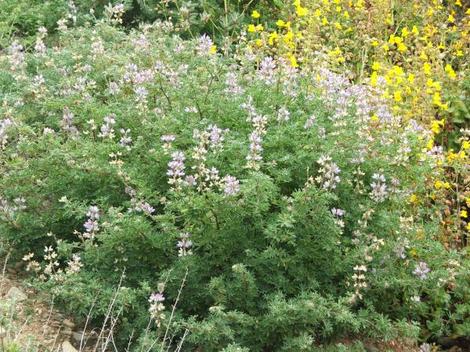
{"points": [[298, 215], [222, 19], [24, 17]]}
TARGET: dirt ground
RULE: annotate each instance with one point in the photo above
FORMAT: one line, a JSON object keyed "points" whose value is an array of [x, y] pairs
{"points": [[28, 321]]}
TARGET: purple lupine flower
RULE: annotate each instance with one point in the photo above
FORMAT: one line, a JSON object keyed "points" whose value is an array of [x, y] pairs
{"points": [[91, 226], [231, 185], [113, 88], [255, 146], [126, 139], [190, 180], [146, 208], [283, 114], [337, 212], [421, 270], [141, 42], [204, 45], [184, 245], [67, 122], [93, 212], [156, 297], [4, 124], [40, 47], [266, 70], [379, 188], [16, 51], [216, 136], [141, 94], [176, 169], [176, 165], [425, 347], [310, 122], [167, 138], [232, 84], [329, 172], [107, 129]]}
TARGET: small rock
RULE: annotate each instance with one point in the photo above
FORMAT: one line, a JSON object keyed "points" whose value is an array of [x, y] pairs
{"points": [[5, 337], [77, 336], [16, 294], [370, 348], [455, 349], [67, 347], [68, 323]]}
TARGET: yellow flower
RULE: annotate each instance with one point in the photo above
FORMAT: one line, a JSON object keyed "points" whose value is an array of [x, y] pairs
{"points": [[376, 66], [397, 96], [255, 14], [430, 144], [213, 49], [463, 214], [293, 61], [258, 42], [375, 43], [451, 19], [414, 199], [436, 126], [415, 30], [405, 32], [436, 100], [450, 71], [465, 145], [427, 68], [272, 38], [280, 23], [288, 37], [301, 11], [402, 47], [373, 79], [251, 28]]}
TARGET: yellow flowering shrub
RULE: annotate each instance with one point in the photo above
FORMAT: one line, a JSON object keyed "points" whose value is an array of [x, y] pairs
{"points": [[414, 50]]}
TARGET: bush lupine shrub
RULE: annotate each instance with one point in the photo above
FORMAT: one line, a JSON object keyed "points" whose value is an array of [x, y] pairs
{"points": [[261, 202]]}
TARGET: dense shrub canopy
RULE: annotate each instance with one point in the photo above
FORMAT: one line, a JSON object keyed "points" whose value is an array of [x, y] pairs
{"points": [[272, 209]]}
